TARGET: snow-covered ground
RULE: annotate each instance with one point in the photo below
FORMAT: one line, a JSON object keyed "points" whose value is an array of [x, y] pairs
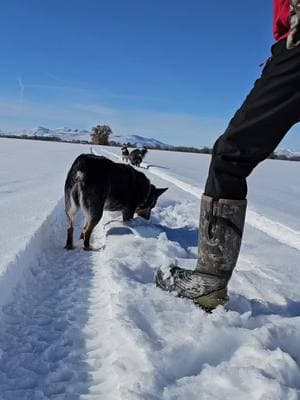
{"points": [[92, 325]]}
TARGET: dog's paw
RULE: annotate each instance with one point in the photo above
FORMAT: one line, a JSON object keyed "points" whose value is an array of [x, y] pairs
{"points": [[87, 248], [90, 248], [69, 247]]}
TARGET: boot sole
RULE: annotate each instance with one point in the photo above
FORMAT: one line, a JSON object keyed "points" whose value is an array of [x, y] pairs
{"points": [[212, 300]]}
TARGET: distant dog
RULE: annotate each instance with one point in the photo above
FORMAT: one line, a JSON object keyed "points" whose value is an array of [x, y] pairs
{"points": [[96, 183], [125, 154], [136, 156]]}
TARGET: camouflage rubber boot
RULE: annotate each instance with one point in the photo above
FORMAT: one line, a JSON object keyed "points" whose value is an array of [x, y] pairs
{"points": [[220, 235]]}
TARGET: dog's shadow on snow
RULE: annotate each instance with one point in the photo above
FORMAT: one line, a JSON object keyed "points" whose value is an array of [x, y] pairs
{"points": [[185, 236], [119, 231], [148, 166]]}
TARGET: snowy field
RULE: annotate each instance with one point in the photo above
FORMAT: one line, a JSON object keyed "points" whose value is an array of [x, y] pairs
{"points": [[92, 325]]}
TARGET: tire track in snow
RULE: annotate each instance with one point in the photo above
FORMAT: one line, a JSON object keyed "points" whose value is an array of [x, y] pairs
{"points": [[61, 334], [53, 330], [276, 230], [42, 331]]}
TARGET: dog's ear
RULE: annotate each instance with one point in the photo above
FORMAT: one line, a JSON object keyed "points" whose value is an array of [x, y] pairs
{"points": [[159, 192]]}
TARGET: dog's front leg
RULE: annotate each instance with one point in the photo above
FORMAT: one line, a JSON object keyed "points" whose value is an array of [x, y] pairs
{"points": [[128, 213]]}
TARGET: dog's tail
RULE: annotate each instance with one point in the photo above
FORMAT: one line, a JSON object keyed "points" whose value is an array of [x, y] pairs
{"points": [[79, 176], [76, 192], [73, 190]]}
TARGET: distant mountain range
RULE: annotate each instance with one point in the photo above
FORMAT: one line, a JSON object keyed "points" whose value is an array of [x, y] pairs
{"points": [[287, 153], [139, 141], [70, 134], [62, 133]]}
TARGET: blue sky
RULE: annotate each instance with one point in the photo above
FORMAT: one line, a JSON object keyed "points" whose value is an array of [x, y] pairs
{"points": [[173, 70]]}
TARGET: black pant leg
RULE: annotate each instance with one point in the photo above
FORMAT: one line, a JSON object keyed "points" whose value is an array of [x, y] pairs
{"points": [[269, 111]]}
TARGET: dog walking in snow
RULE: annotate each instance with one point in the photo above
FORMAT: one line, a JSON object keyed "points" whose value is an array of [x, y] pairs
{"points": [[125, 153], [95, 184], [136, 156]]}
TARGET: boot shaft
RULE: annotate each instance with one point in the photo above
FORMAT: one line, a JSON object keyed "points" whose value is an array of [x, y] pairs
{"points": [[220, 235]]}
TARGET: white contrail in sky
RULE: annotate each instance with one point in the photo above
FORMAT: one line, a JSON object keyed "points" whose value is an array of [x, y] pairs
{"points": [[21, 87], [54, 77]]}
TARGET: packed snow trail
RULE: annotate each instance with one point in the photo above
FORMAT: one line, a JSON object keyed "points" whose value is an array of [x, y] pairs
{"points": [[92, 325]]}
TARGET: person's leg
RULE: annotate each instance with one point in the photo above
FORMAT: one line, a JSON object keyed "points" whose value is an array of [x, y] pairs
{"points": [[267, 114], [269, 111]]}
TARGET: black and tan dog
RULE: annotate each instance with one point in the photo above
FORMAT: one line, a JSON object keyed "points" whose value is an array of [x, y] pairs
{"points": [[96, 183]]}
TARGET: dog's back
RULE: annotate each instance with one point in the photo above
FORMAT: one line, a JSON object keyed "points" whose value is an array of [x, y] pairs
{"points": [[115, 182], [83, 172], [136, 157], [96, 183]]}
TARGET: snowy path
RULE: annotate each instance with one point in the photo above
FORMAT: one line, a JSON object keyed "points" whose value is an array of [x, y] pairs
{"points": [[92, 325]]}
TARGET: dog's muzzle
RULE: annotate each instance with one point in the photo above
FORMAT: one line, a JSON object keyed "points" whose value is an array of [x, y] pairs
{"points": [[144, 213]]}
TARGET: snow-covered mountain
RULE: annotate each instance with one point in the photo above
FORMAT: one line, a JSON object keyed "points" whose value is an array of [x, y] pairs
{"points": [[139, 141], [63, 133], [69, 134], [287, 153]]}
